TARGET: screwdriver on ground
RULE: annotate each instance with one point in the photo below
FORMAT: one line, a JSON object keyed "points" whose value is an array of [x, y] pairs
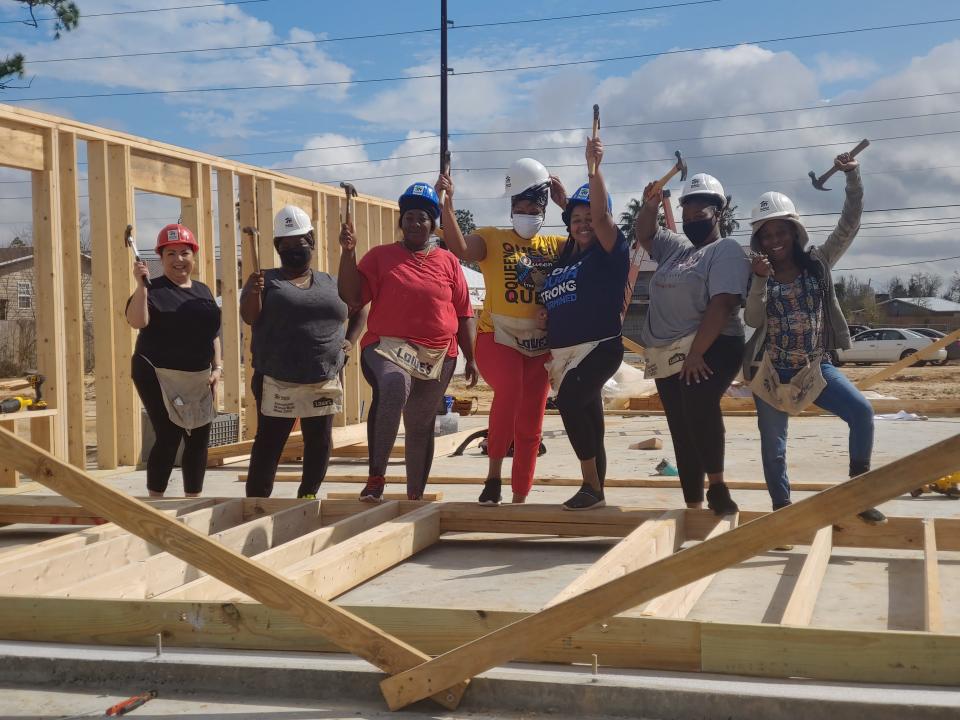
{"points": [[133, 703]]}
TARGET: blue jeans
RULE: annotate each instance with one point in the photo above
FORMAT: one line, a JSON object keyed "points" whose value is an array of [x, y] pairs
{"points": [[839, 397]]}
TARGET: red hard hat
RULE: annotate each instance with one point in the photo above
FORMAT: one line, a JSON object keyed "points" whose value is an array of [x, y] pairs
{"points": [[176, 234]]}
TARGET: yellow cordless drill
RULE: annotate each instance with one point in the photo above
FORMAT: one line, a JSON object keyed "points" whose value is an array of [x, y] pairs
{"points": [[20, 402]]}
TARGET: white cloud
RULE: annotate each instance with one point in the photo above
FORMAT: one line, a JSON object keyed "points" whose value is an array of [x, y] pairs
{"points": [[833, 68]]}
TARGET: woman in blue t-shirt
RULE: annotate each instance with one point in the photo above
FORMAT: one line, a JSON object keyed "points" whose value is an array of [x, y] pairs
{"points": [[584, 297]]}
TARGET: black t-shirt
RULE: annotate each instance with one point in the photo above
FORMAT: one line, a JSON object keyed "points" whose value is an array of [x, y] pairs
{"points": [[183, 324], [298, 336]]}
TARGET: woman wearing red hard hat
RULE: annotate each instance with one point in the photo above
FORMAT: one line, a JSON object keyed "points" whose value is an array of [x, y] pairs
{"points": [[177, 361]]}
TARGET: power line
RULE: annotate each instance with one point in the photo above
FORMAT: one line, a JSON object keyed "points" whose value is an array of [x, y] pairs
{"points": [[606, 126], [519, 68], [369, 36], [87, 16], [903, 264]]}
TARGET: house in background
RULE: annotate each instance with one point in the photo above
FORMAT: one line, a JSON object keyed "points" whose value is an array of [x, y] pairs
{"points": [[18, 298], [932, 312]]}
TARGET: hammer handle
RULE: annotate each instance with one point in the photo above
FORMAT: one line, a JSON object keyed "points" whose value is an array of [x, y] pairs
{"points": [[254, 251], [862, 145], [596, 129]]}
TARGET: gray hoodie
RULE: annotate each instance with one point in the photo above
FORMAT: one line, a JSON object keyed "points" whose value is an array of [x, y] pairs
{"points": [[826, 256]]}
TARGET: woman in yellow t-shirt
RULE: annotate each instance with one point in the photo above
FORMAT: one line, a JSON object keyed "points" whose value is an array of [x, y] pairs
{"points": [[511, 335]]}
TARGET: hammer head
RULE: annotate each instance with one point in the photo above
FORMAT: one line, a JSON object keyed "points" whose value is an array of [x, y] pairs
{"points": [[349, 189], [128, 234], [252, 232], [681, 165], [816, 182]]}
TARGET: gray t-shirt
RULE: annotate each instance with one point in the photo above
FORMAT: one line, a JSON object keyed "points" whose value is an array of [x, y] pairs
{"points": [[299, 335], [684, 281]]}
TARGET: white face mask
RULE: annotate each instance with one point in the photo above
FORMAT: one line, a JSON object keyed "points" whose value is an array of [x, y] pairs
{"points": [[526, 226]]}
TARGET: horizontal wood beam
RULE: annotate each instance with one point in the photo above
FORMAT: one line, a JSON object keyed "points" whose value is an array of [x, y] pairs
{"points": [[235, 452], [803, 598], [652, 540], [623, 642], [51, 510], [678, 603], [347, 630], [842, 502], [738, 407]]}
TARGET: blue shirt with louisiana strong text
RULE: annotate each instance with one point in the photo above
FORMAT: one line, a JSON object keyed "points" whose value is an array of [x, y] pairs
{"points": [[584, 295]]}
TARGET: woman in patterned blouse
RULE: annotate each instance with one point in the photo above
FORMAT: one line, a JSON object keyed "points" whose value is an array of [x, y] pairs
{"points": [[798, 321]]}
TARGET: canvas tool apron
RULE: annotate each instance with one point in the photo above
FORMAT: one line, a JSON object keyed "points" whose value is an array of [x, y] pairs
{"points": [[563, 360], [421, 362], [520, 334], [663, 362], [187, 396], [792, 397], [301, 400]]}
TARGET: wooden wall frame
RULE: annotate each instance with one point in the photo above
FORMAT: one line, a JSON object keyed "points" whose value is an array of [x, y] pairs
{"points": [[119, 165]]}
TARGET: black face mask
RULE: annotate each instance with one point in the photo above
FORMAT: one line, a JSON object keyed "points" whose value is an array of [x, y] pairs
{"points": [[698, 231], [295, 258]]}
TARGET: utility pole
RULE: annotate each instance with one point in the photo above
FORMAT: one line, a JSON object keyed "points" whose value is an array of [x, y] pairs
{"points": [[444, 150]]}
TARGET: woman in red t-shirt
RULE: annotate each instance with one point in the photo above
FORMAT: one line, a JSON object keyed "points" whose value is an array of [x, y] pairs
{"points": [[419, 312]]}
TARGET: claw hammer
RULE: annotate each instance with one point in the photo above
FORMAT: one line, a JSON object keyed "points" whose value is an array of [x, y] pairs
{"points": [[129, 241], [351, 192], [819, 181]]}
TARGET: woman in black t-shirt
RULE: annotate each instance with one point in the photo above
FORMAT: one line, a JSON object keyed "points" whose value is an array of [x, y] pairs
{"points": [[176, 363]]}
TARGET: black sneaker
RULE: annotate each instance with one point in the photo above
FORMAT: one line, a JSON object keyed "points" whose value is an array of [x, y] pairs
{"points": [[491, 492], [719, 500], [373, 491], [872, 516], [586, 499]]}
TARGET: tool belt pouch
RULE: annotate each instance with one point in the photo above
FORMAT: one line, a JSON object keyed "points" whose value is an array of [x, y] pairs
{"points": [[563, 360], [793, 397], [662, 362], [187, 396], [520, 334], [421, 362], [301, 400]]}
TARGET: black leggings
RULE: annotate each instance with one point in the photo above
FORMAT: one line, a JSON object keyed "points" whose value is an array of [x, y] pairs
{"points": [[163, 454], [272, 434], [694, 417], [580, 402]]}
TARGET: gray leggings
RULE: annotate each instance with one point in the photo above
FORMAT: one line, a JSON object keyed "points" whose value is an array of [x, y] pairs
{"points": [[396, 393]]}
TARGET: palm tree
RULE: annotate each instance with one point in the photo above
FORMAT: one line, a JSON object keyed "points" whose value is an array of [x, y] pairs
{"points": [[628, 217], [728, 222]]}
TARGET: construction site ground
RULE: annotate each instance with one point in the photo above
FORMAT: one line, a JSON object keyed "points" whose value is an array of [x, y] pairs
{"points": [[863, 589]]}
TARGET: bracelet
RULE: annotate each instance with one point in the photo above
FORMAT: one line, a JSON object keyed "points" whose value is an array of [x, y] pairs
{"points": [[218, 367]]}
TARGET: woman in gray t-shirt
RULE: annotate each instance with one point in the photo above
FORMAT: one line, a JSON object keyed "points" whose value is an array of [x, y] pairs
{"points": [[692, 332], [298, 349]]}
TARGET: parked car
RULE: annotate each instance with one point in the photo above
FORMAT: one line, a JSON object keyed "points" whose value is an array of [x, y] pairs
{"points": [[886, 345], [953, 349], [857, 329]]}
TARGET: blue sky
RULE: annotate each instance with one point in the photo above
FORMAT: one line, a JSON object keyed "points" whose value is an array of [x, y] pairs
{"points": [[759, 76]]}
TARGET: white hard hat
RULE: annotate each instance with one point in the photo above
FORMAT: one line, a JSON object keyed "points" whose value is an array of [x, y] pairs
{"points": [[704, 185], [524, 174], [776, 206], [291, 220]]}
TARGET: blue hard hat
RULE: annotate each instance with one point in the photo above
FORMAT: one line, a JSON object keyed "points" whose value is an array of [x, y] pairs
{"points": [[582, 197], [420, 196]]}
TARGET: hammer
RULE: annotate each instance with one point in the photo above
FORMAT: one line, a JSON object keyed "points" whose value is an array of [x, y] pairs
{"points": [[446, 171], [596, 128], [819, 181], [351, 192], [679, 167], [132, 244], [253, 234]]}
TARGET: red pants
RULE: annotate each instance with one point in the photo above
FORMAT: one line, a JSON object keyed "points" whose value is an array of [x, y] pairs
{"points": [[520, 387]]}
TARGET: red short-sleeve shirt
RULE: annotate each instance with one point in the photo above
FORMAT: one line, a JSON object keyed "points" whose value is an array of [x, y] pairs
{"points": [[413, 296]]}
